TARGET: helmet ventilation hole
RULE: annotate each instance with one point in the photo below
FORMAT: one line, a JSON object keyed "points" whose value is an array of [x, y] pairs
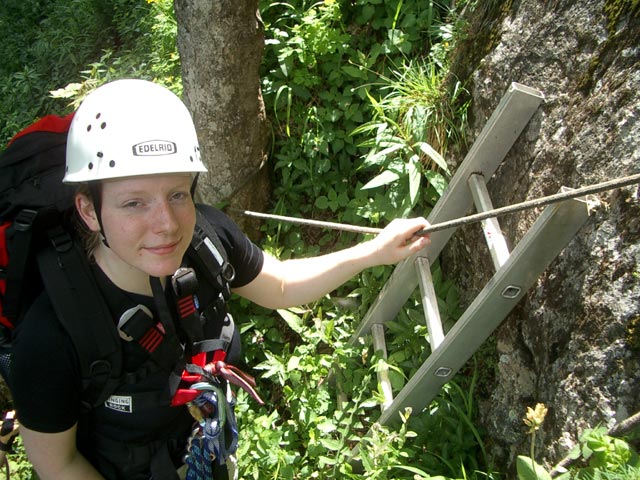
{"points": [[112, 163], [90, 165], [103, 125], [88, 128], [99, 154]]}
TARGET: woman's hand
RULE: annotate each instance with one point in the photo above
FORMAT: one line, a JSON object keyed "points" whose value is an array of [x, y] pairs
{"points": [[398, 241]]}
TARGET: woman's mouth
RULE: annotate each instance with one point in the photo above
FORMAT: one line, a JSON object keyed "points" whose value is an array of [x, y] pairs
{"points": [[165, 249]]}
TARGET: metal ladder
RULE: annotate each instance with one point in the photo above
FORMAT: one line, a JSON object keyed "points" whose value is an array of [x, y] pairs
{"points": [[516, 271]]}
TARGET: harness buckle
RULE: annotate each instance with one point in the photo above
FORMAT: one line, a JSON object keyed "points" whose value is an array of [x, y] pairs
{"points": [[184, 282], [137, 324]]}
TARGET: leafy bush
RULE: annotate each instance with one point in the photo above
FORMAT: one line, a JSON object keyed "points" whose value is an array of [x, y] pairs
{"points": [[71, 46], [330, 67], [326, 64], [597, 456]]}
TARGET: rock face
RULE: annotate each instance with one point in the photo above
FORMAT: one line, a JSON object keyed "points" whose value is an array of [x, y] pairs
{"points": [[574, 342]]}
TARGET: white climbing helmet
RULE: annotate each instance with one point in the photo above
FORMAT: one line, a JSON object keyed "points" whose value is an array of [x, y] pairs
{"points": [[128, 128]]}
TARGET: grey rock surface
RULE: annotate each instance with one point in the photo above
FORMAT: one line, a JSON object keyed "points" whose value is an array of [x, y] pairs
{"points": [[574, 342]]}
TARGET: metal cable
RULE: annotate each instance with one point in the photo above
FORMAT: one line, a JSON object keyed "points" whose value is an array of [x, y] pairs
{"points": [[518, 207]]}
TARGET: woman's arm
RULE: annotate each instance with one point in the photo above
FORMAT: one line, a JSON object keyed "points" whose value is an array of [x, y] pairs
{"points": [[55, 456], [295, 282]]}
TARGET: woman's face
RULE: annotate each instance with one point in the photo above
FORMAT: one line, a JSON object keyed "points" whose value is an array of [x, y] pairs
{"points": [[148, 223]]}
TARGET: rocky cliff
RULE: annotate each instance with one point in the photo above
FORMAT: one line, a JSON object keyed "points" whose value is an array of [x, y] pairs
{"points": [[574, 342]]}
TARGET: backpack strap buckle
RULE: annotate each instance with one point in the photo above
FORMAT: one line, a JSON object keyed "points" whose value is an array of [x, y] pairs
{"points": [[60, 239], [25, 220]]}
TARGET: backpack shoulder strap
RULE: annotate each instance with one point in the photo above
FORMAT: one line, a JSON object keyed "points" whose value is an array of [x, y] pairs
{"points": [[84, 314], [15, 291]]}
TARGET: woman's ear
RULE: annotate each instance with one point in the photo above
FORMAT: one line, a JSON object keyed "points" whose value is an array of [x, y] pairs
{"points": [[87, 211]]}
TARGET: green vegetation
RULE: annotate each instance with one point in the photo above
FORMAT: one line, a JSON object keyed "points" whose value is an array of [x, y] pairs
{"points": [[363, 108], [596, 456], [72, 46]]}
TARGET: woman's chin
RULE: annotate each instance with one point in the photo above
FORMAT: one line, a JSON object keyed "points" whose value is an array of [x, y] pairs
{"points": [[162, 270]]}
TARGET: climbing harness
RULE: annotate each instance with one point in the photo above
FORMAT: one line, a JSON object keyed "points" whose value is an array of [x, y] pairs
{"points": [[202, 383]]}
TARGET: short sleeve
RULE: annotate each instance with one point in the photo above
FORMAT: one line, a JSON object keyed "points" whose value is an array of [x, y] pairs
{"points": [[45, 380], [245, 256]]}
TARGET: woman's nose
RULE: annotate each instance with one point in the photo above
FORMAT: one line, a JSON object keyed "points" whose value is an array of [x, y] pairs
{"points": [[163, 219]]}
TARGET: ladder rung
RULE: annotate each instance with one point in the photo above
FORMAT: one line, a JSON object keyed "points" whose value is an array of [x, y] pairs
{"points": [[491, 228], [380, 345], [429, 302]]}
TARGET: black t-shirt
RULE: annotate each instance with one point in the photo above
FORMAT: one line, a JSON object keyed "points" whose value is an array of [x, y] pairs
{"points": [[45, 373]]}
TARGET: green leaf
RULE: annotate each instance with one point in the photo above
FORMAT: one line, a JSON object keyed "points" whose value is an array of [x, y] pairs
{"points": [[417, 471], [384, 178], [327, 426], [291, 319], [415, 170], [293, 363], [322, 202], [324, 460], [381, 155], [530, 470], [438, 182], [434, 155], [366, 14], [354, 72]]}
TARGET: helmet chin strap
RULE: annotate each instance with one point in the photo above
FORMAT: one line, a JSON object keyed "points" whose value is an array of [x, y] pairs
{"points": [[194, 185], [95, 188]]}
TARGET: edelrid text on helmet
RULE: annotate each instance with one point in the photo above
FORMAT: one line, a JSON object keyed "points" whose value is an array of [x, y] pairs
{"points": [[129, 128]]}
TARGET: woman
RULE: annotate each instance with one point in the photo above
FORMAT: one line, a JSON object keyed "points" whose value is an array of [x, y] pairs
{"points": [[133, 151]]}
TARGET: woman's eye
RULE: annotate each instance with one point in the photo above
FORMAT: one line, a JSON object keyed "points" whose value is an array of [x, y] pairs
{"points": [[179, 196], [132, 204]]}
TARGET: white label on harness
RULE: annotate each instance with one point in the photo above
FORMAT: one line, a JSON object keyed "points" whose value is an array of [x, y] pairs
{"points": [[119, 403], [213, 250]]}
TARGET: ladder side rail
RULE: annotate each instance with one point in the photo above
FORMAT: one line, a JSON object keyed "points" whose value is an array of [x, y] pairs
{"points": [[488, 151], [495, 140], [543, 242]]}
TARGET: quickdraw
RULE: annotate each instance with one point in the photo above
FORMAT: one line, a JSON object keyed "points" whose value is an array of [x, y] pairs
{"points": [[215, 437]]}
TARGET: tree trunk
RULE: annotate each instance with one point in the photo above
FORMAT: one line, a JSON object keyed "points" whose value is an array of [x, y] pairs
{"points": [[573, 343], [220, 44]]}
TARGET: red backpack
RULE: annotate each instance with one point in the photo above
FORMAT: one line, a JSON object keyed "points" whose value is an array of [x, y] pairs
{"points": [[35, 208], [31, 170]]}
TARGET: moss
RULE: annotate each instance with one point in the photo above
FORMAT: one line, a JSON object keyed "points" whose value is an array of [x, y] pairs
{"points": [[633, 334], [615, 11], [480, 35]]}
